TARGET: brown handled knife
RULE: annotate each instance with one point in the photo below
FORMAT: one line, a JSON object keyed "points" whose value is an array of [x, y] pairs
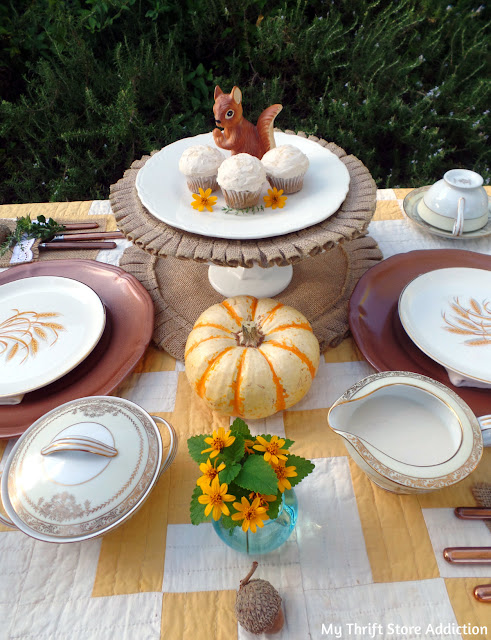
{"points": [[483, 593], [49, 246], [473, 513], [467, 555], [76, 226], [99, 235]]}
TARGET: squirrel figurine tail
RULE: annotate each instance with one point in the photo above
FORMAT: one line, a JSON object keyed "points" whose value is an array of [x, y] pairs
{"points": [[239, 135]]}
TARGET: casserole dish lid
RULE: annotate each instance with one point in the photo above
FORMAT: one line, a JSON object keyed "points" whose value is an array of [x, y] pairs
{"points": [[81, 469]]}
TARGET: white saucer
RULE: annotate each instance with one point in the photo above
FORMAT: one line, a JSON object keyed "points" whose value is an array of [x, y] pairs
{"points": [[410, 206]]}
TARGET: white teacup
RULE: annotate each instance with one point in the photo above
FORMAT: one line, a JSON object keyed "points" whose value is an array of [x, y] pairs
{"points": [[457, 203]]}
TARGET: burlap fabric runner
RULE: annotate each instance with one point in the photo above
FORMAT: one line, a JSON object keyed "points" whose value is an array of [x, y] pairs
{"points": [[58, 254], [320, 288], [160, 239]]}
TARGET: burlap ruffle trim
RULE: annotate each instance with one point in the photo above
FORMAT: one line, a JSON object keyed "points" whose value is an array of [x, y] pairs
{"points": [[159, 239], [320, 289]]}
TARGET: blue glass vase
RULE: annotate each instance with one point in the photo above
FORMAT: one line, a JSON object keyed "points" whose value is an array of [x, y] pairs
{"points": [[271, 536]]}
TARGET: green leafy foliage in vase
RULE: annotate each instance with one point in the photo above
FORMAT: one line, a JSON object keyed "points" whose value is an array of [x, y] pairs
{"points": [[243, 476]]}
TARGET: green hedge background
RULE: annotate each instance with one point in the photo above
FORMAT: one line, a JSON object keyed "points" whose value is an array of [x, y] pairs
{"points": [[87, 87]]}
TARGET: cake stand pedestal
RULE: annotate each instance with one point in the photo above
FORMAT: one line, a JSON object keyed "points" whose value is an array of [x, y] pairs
{"points": [[313, 269], [255, 281]]}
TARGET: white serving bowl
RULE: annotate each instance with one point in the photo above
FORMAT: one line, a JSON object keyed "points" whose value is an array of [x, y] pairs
{"points": [[407, 432], [83, 469]]}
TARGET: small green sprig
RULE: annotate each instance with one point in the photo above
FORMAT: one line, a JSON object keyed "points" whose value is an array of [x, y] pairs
{"points": [[39, 228], [240, 212]]}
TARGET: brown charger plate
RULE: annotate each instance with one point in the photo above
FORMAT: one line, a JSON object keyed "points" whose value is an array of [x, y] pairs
{"points": [[374, 317], [128, 331]]}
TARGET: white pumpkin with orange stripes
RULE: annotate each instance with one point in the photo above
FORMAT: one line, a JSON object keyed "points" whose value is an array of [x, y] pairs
{"points": [[251, 357]]}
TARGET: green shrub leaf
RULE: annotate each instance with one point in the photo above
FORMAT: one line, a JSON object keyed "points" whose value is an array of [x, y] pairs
{"points": [[229, 473], [274, 506], [196, 444], [239, 427], [235, 452], [303, 468], [257, 475], [197, 510]]}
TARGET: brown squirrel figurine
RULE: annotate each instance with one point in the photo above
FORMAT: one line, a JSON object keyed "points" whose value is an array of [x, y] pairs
{"points": [[239, 135]]}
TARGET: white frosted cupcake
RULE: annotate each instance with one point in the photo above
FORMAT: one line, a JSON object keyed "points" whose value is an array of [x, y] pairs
{"points": [[200, 165], [241, 178], [285, 168]]}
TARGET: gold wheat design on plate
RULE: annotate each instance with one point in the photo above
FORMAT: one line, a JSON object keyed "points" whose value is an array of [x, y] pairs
{"points": [[22, 332], [473, 320]]}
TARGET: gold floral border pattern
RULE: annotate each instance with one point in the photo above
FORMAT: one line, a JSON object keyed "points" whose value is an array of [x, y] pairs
{"points": [[21, 333], [410, 481], [65, 504], [474, 320]]}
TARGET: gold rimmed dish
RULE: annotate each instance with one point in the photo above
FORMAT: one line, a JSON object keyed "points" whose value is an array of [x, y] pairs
{"points": [[447, 314], [48, 326], [84, 468], [128, 331], [407, 432], [411, 204]]}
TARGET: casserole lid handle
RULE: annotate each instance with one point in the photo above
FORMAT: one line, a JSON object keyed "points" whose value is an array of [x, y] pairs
{"points": [[79, 443]]}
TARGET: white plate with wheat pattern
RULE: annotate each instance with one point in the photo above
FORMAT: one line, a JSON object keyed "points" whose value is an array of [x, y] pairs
{"points": [[162, 189], [48, 325], [447, 314]]}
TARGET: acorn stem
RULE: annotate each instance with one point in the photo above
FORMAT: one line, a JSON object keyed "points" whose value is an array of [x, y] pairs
{"points": [[249, 575]]}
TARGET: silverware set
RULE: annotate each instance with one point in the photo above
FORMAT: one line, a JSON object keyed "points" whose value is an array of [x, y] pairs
{"points": [[91, 240], [472, 555]]}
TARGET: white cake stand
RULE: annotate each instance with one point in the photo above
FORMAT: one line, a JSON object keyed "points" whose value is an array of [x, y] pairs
{"points": [[163, 191], [256, 281]]}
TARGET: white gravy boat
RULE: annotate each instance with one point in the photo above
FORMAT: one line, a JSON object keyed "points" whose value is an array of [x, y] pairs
{"points": [[408, 433], [408, 424]]}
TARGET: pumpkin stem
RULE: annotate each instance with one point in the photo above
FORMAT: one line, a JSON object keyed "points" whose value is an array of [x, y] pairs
{"points": [[249, 335], [249, 575]]}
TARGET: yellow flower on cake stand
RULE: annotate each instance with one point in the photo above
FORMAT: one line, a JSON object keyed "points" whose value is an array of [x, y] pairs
{"points": [[275, 199], [203, 200]]}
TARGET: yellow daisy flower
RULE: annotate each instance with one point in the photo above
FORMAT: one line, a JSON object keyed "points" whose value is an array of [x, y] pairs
{"points": [[203, 199], [253, 515], [283, 473], [215, 496], [264, 500], [218, 441], [248, 445], [272, 450], [209, 472], [274, 198]]}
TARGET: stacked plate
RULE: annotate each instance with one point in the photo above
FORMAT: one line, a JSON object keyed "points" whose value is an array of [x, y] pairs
{"points": [[68, 329], [48, 325], [447, 314], [434, 340]]}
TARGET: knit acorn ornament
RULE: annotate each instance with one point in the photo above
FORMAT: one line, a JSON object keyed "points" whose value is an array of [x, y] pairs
{"points": [[258, 605]]}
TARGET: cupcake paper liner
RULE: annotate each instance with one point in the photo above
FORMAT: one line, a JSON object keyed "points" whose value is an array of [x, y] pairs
{"points": [[208, 182], [289, 185], [241, 199]]}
